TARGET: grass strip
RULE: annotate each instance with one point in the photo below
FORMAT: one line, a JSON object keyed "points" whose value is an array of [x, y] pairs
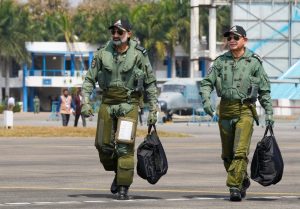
{"points": [[49, 131]]}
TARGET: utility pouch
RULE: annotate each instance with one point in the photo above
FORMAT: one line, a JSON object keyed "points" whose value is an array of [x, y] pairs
{"points": [[139, 81], [253, 89], [253, 92], [219, 86], [125, 130]]}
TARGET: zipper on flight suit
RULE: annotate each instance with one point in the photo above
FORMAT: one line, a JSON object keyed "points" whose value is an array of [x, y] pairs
{"points": [[232, 69]]}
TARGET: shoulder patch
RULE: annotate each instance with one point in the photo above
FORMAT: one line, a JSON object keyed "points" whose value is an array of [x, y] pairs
{"points": [[93, 63], [210, 69], [218, 57], [101, 47], [257, 57], [142, 49]]}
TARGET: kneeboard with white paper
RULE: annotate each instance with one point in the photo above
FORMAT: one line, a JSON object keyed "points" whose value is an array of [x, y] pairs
{"points": [[125, 130]]}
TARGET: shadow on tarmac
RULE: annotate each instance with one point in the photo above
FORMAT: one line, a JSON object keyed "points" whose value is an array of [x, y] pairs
{"points": [[259, 199], [111, 196], [206, 196]]}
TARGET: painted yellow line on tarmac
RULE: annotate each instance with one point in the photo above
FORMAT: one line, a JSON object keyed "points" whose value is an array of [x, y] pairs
{"points": [[153, 190]]}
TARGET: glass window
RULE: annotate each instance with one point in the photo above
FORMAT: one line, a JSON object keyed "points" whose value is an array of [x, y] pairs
{"points": [[173, 88]]}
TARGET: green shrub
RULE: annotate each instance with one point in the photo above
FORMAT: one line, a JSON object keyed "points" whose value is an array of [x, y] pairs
{"points": [[2, 108], [17, 108]]}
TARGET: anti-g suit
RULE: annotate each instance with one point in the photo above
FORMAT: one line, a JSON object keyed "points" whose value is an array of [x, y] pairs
{"points": [[237, 82], [123, 79]]}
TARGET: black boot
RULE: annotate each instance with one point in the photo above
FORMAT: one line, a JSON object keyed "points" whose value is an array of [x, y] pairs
{"points": [[245, 186], [123, 193], [114, 186], [235, 194]]}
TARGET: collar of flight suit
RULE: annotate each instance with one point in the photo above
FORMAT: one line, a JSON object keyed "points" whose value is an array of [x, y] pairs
{"points": [[246, 54], [129, 60], [130, 54]]}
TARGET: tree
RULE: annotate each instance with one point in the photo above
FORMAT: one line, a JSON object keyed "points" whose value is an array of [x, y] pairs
{"points": [[167, 25], [49, 20], [13, 34], [223, 21], [91, 21]]}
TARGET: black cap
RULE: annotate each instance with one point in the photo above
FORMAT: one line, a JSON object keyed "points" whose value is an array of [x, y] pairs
{"points": [[122, 24], [238, 30]]}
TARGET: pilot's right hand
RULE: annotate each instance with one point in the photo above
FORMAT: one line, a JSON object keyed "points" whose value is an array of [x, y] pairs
{"points": [[87, 110], [208, 109], [152, 118]]}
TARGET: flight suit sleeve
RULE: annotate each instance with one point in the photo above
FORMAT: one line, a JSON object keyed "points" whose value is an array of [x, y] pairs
{"points": [[91, 78], [264, 91], [208, 83], [149, 83]]}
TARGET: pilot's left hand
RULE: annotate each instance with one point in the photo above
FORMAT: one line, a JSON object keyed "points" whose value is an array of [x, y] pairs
{"points": [[87, 110], [269, 120], [208, 109], [152, 118], [215, 117]]}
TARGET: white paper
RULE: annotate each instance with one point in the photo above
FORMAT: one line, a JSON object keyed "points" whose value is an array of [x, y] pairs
{"points": [[125, 130]]}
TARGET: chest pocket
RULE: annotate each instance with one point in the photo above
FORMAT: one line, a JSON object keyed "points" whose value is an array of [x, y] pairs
{"points": [[224, 78], [132, 75], [105, 75], [127, 73], [248, 78], [238, 76]]}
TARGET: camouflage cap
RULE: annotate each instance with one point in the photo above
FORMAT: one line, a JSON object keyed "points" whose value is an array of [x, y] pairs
{"points": [[238, 30]]}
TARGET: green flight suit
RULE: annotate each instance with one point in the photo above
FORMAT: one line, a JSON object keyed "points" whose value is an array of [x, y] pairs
{"points": [[119, 76], [233, 81], [36, 102]]}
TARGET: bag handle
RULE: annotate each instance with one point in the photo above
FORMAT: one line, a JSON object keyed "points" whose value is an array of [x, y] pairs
{"points": [[269, 127], [150, 127]]}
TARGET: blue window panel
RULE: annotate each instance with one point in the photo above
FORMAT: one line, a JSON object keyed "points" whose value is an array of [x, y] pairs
{"points": [[47, 82]]}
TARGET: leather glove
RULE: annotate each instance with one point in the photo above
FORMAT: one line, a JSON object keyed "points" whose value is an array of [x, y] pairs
{"points": [[208, 109], [269, 120], [152, 118], [87, 110]]}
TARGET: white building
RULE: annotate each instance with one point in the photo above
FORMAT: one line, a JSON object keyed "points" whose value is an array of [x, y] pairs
{"points": [[54, 66]]}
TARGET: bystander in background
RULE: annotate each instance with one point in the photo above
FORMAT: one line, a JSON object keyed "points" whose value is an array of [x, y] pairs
{"points": [[78, 103], [65, 106], [36, 102], [11, 103]]}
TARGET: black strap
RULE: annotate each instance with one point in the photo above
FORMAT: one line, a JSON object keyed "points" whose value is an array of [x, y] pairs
{"points": [[269, 127], [150, 127]]}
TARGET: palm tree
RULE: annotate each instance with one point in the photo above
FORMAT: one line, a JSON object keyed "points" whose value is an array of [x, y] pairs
{"points": [[167, 26], [50, 20], [64, 25], [13, 34]]}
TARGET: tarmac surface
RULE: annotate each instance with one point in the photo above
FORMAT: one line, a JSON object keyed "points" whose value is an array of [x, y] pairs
{"points": [[64, 172]]}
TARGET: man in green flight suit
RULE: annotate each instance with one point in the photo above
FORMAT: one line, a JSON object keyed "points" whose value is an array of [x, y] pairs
{"points": [[124, 73], [36, 102], [239, 79]]}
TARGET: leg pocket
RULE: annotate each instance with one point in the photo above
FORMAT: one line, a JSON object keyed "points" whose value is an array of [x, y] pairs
{"points": [[107, 158], [104, 127], [125, 170], [236, 173]]}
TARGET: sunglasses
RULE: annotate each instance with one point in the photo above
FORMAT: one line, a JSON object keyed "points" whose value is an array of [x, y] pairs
{"points": [[119, 32], [235, 37]]}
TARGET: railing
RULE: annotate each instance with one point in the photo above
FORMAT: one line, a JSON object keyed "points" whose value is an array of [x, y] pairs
{"points": [[285, 114], [54, 72]]}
